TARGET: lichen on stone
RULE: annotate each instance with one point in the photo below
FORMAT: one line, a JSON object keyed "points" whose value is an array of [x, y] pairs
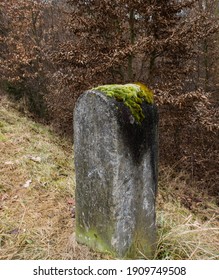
{"points": [[132, 95]]}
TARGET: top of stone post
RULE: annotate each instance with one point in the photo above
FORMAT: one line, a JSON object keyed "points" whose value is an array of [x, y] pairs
{"points": [[127, 102], [132, 96]]}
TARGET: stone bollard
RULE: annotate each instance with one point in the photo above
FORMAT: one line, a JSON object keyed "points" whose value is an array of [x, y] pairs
{"points": [[116, 176]]}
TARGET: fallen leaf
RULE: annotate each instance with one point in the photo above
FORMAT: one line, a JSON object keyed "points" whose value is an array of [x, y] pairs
{"points": [[71, 201], [27, 184], [14, 231], [4, 197], [29, 241], [14, 198], [35, 159], [9, 163]]}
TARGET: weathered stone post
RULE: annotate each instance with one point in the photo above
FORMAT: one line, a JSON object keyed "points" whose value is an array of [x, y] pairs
{"points": [[116, 176]]}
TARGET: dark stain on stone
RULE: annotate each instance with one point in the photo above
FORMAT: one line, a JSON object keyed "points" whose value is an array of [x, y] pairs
{"points": [[138, 137]]}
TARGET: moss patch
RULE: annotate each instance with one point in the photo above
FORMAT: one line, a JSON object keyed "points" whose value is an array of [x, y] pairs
{"points": [[132, 95], [92, 239]]}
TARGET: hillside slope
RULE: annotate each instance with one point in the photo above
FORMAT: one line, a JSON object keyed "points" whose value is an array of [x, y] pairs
{"points": [[36, 191], [37, 200]]}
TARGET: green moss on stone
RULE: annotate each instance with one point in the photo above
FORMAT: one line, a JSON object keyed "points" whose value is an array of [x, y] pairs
{"points": [[139, 248], [132, 95], [92, 239]]}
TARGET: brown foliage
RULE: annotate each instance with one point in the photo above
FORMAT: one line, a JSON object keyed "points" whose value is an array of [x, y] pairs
{"points": [[57, 49], [29, 37]]}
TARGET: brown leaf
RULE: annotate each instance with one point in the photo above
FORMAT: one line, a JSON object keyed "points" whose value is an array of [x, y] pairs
{"points": [[71, 201], [27, 184], [14, 231]]}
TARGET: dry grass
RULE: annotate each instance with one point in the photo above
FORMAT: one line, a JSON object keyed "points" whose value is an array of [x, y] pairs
{"points": [[36, 192], [187, 219], [37, 201]]}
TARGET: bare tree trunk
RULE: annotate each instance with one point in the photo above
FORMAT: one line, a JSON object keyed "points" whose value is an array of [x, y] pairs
{"points": [[132, 40]]}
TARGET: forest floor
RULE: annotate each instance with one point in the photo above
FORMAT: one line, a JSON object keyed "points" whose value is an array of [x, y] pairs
{"points": [[37, 183]]}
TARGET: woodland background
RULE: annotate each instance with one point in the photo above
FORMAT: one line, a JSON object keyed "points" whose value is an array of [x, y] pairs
{"points": [[51, 51]]}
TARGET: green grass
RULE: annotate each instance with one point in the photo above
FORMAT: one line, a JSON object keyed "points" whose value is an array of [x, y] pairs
{"points": [[37, 184]]}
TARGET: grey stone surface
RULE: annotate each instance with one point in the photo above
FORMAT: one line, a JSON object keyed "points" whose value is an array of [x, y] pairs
{"points": [[116, 176]]}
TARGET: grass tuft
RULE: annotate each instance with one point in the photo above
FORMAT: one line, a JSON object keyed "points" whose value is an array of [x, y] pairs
{"points": [[187, 220]]}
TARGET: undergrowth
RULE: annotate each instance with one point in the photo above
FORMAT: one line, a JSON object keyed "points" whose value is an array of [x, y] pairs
{"points": [[37, 200]]}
